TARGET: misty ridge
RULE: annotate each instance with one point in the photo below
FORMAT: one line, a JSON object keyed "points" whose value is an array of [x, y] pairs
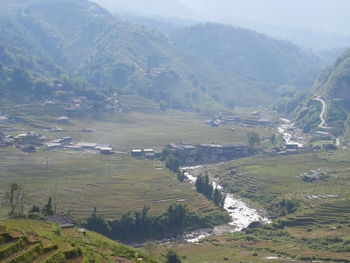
{"points": [[325, 21]]}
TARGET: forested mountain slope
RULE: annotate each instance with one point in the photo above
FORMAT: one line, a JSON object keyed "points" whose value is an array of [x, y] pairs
{"points": [[333, 88], [83, 40], [250, 54]]}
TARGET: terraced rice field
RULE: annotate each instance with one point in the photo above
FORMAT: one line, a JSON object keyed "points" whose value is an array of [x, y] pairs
{"points": [[29, 241], [78, 182], [329, 213], [20, 248]]}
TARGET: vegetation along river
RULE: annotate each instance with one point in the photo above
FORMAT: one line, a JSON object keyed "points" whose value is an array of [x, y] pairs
{"points": [[242, 214]]}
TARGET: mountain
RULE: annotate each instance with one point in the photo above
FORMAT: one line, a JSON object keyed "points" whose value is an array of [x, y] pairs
{"points": [[84, 41], [171, 8], [331, 88], [334, 82], [250, 54]]}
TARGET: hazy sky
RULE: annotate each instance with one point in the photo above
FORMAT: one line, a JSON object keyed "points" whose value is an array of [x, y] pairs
{"points": [[318, 15]]}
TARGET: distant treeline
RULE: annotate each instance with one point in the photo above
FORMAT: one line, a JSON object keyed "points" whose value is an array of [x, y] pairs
{"points": [[140, 225]]}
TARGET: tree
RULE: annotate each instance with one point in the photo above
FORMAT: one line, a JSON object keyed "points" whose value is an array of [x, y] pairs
{"points": [[208, 187], [98, 223], [15, 198], [172, 163], [273, 139], [177, 214], [204, 186], [172, 257], [47, 210], [253, 138], [218, 198], [181, 175]]}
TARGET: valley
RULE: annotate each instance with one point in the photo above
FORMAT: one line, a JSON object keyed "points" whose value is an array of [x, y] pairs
{"points": [[146, 139], [108, 180]]}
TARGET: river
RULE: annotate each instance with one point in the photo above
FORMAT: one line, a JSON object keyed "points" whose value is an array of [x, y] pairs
{"points": [[242, 214], [290, 134]]}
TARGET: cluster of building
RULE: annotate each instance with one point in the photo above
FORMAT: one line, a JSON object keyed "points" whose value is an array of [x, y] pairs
{"points": [[66, 143], [146, 153], [6, 140], [207, 153], [25, 141], [72, 104], [254, 119], [28, 142], [81, 103], [313, 176]]}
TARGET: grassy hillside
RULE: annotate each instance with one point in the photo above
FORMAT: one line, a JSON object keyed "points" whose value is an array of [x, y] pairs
{"points": [[28, 241]]}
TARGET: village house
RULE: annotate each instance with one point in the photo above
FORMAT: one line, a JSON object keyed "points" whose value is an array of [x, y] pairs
{"points": [[49, 102], [87, 145], [76, 101], [28, 148], [106, 150], [66, 140], [60, 219], [88, 130], [157, 154], [255, 113], [98, 147], [63, 120], [264, 121], [3, 120], [72, 147], [137, 153], [55, 129], [148, 153], [292, 146], [53, 145], [7, 141]]}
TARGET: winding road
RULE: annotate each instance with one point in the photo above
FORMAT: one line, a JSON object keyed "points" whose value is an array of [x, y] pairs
{"points": [[323, 121], [323, 112]]}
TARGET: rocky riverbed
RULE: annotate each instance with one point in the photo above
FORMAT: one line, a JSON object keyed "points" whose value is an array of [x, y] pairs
{"points": [[241, 213]]}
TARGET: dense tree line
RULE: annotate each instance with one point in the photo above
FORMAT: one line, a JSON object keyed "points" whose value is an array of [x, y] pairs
{"points": [[18, 84], [173, 163], [205, 187], [253, 138], [140, 225]]}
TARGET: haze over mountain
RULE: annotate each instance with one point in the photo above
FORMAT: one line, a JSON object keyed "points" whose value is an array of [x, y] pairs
{"points": [[250, 54], [322, 20]]}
